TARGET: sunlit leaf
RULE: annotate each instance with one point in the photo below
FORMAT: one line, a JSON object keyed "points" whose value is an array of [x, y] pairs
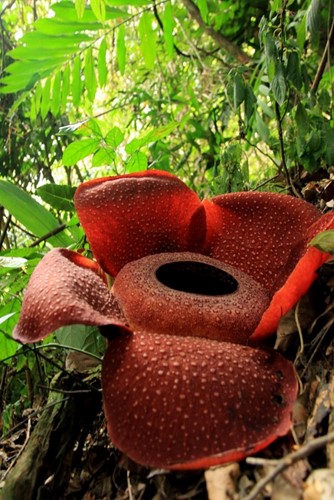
{"points": [[56, 94], [168, 24], [102, 63], [136, 163], [147, 39], [121, 49], [78, 150], [76, 81], [99, 9], [114, 137], [90, 76], [104, 156], [80, 7], [45, 103]]}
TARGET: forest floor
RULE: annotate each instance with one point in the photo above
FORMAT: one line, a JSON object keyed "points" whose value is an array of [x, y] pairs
{"points": [[64, 451]]}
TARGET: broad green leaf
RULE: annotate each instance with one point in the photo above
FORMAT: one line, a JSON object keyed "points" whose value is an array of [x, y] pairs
{"points": [[80, 7], [102, 63], [45, 103], [99, 9], [58, 196], [329, 141], [90, 76], [85, 338], [56, 94], [278, 85], [78, 150], [136, 163], [114, 137], [102, 157], [168, 24], [121, 49], [147, 39], [30, 213], [76, 81], [324, 241], [153, 136]]}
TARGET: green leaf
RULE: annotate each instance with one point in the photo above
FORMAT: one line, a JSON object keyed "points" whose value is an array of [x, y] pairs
{"points": [[99, 9], [168, 24], [90, 76], [30, 213], [65, 89], [104, 156], [278, 85], [56, 94], [76, 82], [136, 163], [78, 150], [250, 101], [38, 40], [114, 137], [238, 91], [8, 319], [324, 241], [45, 103], [35, 53], [293, 70], [301, 32], [85, 338], [102, 63], [147, 39], [153, 136], [203, 8], [121, 49], [80, 7], [58, 196], [55, 27]]}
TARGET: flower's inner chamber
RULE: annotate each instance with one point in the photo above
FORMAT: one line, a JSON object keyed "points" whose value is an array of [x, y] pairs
{"points": [[196, 277]]}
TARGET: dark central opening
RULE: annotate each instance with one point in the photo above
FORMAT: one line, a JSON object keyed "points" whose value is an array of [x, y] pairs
{"points": [[196, 277]]}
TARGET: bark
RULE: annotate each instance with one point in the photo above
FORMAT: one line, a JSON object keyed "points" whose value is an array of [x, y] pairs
{"points": [[43, 469]]}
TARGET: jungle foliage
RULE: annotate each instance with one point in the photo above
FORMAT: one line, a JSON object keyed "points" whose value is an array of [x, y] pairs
{"points": [[228, 95]]}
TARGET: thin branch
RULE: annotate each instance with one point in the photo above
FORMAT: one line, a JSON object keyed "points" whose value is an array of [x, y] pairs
{"points": [[279, 121], [223, 42], [48, 235], [303, 452], [323, 61]]}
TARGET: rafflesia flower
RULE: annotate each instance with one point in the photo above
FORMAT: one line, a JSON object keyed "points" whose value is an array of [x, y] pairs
{"points": [[198, 286]]}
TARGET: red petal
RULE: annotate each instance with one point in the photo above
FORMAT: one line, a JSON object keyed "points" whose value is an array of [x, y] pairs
{"points": [[130, 216], [262, 234], [192, 403], [65, 289], [297, 283]]}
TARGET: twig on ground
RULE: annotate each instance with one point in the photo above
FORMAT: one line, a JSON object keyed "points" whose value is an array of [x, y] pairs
{"points": [[289, 460]]}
